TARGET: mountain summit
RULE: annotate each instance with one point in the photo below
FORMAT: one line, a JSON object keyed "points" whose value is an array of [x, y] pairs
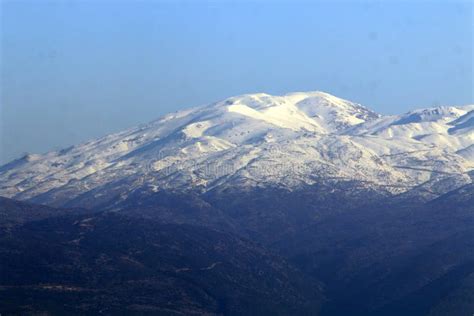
{"points": [[259, 140]]}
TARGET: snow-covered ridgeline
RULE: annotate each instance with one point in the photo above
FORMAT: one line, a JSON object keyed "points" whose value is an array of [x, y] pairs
{"points": [[260, 140]]}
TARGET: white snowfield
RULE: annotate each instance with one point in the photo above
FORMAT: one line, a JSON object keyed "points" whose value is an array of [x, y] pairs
{"points": [[261, 140]]}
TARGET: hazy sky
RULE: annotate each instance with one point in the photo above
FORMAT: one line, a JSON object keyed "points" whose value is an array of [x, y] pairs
{"points": [[77, 70]]}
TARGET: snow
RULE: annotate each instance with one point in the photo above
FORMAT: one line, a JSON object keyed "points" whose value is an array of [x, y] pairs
{"points": [[258, 140], [196, 130]]}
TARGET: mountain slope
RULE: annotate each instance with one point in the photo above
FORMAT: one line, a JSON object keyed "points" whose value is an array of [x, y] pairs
{"points": [[388, 258], [375, 254], [258, 140], [109, 263]]}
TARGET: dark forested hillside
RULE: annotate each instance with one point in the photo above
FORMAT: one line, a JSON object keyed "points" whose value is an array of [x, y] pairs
{"points": [[319, 250], [110, 263]]}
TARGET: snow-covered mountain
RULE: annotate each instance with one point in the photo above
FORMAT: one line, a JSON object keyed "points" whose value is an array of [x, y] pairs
{"points": [[260, 140]]}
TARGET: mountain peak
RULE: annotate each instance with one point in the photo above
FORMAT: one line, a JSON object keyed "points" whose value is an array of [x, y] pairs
{"points": [[258, 139], [314, 111]]}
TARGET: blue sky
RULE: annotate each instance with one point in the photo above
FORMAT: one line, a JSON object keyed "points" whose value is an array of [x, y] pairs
{"points": [[76, 70]]}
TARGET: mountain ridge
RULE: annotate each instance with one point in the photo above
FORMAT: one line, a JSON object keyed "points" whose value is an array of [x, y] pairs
{"points": [[259, 140]]}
